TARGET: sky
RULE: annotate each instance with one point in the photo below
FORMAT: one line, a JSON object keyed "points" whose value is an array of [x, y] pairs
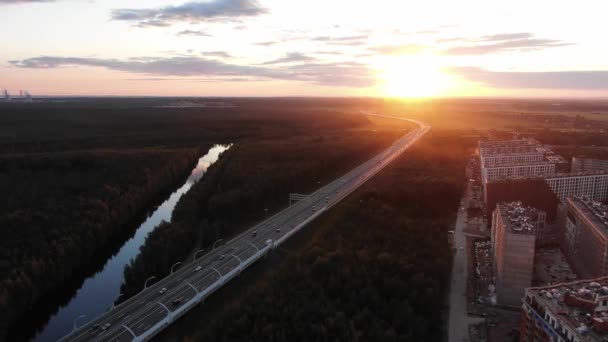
{"points": [[387, 48]]}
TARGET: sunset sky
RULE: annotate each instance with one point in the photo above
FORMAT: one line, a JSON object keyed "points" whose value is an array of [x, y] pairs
{"points": [[531, 48]]}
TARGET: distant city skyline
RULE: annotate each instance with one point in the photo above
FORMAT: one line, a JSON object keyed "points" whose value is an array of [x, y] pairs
{"points": [[434, 48]]}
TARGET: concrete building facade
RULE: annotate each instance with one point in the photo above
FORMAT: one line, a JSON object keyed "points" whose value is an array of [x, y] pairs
{"points": [[588, 165], [511, 158], [513, 239], [585, 238], [592, 185]]}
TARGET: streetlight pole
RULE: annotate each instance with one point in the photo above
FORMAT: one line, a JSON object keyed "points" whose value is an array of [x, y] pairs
{"points": [[217, 242], [146, 283], [195, 254], [76, 320], [177, 263]]}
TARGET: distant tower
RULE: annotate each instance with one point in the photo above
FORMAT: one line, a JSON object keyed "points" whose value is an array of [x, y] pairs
{"points": [[7, 96], [20, 93]]}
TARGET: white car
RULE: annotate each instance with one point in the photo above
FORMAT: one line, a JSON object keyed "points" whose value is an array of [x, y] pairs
{"points": [[162, 291], [198, 268]]}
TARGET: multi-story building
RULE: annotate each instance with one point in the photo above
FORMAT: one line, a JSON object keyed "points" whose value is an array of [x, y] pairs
{"points": [[513, 243], [585, 238], [517, 158], [518, 170], [507, 146], [588, 165], [593, 185], [567, 312], [488, 160]]}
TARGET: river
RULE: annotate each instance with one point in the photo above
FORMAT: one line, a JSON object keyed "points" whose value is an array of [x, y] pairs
{"points": [[98, 292]]}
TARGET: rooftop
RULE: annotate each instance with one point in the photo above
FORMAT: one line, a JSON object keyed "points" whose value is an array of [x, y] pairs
{"points": [[594, 211], [555, 176], [517, 218], [577, 305]]}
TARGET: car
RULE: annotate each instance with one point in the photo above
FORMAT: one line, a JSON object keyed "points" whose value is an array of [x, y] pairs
{"points": [[450, 232], [94, 328], [162, 291], [221, 257], [314, 209], [255, 233], [326, 199], [198, 268], [106, 326], [461, 248], [177, 301], [278, 230]]}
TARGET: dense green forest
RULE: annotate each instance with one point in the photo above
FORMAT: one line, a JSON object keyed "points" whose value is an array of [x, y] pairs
{"points": [[249, 178], [374, 268], [77, 176], [56, 211]]}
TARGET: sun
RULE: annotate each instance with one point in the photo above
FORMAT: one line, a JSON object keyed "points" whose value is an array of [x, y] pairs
{"points": [[411, 77]]}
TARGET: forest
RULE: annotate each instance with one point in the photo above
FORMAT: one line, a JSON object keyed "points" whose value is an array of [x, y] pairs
{"points": [[254, 178], [78, 176], [374, 268], [56, 212]]}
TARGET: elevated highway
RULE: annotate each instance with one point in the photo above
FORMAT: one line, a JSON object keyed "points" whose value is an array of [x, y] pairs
{"points": [[144, 315]]}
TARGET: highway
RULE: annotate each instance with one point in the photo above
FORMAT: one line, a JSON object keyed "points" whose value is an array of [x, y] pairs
{"points": [[145, 314]]}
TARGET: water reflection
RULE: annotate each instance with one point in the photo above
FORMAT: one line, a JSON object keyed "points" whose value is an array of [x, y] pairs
{"points": [[98, 292]]}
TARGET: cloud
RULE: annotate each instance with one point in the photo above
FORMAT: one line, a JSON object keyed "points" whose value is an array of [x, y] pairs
{"points": [[582, 80], [504, 42], [403, 49], [12, 2], [348, 74], [193, 12], [222, 54], [291, 58], [194, 33], [344, 40]]}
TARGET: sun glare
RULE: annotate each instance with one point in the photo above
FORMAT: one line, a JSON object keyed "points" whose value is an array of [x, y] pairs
{"points": [[411, 77]]}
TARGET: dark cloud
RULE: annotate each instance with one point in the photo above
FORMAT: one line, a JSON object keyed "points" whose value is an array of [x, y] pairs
{"points": [[291, 58], [503, 42], [584, 80], [193, 33], [347, 74], [193, 12]]}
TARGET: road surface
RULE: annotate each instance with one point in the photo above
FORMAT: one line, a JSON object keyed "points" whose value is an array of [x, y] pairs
{"points": [[147, 311], [459, 321]]}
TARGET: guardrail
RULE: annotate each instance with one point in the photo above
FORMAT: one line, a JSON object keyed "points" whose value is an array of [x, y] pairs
{"points": [[200, 296]]}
